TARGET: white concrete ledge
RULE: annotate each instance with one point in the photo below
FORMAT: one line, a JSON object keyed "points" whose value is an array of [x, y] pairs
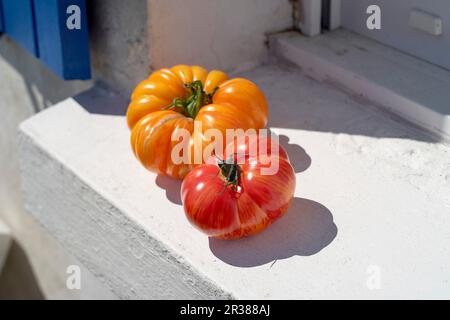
{"points": [[62, 182], [372, 193], [412, 88]]}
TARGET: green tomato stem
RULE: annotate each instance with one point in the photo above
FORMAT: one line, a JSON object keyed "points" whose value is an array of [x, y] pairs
{"points": [[231, 171], [195, 101]]}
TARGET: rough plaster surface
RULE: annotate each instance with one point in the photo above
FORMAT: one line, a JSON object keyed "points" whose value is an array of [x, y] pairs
{"points": [[372, 191], [36, 266], [228, 35], [407, 86], [119, 42]]}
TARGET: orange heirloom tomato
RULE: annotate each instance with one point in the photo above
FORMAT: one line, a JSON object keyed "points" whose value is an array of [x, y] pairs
{"points": [[228, 200], [172, 99]]}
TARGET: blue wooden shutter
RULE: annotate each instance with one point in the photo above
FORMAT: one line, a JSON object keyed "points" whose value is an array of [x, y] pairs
{"points": [[18, 22], [64, 50], [41, 27], [1, 17]]}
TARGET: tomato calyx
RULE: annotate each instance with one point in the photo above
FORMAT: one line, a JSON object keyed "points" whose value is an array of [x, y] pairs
{"points": [[231, 171], [195, 101]]}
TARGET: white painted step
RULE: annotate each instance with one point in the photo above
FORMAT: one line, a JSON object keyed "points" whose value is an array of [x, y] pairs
{"points": [[412, 88], [372, 204]]}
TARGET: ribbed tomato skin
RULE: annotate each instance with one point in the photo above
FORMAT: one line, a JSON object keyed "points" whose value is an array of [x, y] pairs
{"points": [[236, 104], [232, 212]]}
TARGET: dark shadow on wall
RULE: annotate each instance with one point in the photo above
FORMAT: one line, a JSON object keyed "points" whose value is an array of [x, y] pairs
{"points": [[304, 230], [17, 280], [118, 37]]}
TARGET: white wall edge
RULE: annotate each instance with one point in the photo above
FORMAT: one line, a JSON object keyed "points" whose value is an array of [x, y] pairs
{"points": [[335, 14], [312, 17]]}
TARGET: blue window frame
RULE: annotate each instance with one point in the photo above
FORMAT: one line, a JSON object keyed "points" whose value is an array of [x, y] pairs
{"points": [[19, 23], [64, 50], [55, 31], [1, 17]]}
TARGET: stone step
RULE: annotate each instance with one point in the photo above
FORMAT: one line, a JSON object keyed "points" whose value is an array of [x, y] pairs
{"points": [[407, 86]]}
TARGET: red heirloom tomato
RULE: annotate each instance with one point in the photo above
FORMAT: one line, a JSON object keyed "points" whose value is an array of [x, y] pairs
{"points": [[233, 198]]}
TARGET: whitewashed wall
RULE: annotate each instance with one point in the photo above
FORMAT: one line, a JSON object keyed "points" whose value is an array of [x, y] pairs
{"points": [[225, 34]]}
